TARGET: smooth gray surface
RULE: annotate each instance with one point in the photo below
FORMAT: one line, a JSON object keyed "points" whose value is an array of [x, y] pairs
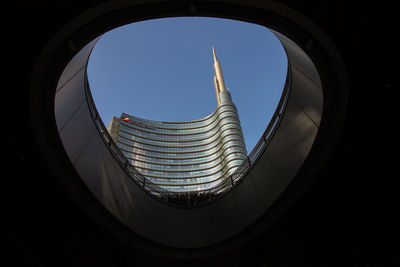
{"points": [[268, 183], [77, 132], [298, 58], [200, 227], [69, 100], [248, 200], [220, 220], [307, 95], [77, 63], [301, 127]]}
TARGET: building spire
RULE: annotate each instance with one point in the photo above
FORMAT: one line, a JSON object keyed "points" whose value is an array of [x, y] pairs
{"points": [[219, 83], [215, 57]]}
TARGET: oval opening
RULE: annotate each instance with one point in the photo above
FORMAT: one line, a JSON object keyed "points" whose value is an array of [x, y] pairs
{"points": [[147, 74]]}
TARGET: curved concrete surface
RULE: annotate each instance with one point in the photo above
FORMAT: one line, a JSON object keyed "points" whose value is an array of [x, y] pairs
{"points": [[219, 221]]}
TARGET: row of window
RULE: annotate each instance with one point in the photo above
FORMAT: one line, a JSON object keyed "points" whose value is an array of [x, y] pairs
{"points": [[222, 137], [199, 137], [217, 157], [164, 177], [202, 151], [190, 133], [206, 175], [171, 167], [160, 157], [187, 124]]}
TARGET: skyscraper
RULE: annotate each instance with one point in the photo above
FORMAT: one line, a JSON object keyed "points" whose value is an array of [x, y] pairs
{"points": [[185, 156]]}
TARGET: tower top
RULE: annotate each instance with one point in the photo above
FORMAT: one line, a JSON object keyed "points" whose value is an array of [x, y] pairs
{"points": [[215, 56], [219, 83]]}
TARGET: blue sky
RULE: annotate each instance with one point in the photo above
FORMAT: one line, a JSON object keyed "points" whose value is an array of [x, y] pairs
{"points": [[162, 69]]}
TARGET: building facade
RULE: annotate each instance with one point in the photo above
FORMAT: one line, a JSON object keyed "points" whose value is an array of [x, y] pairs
{"points": [[185, 156]]}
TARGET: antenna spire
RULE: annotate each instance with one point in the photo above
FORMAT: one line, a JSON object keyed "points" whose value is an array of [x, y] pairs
{"points": [[218, 78], [215, 57]]}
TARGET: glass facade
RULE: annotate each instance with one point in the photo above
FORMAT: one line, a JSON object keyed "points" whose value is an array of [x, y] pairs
{"points": [[185, 156]]}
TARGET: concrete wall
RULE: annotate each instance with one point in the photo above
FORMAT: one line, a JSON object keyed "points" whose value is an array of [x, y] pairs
{"points": [[200, 227]]}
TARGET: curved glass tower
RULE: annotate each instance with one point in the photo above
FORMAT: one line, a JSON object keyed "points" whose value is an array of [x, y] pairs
{"points": [[185, 156]]}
